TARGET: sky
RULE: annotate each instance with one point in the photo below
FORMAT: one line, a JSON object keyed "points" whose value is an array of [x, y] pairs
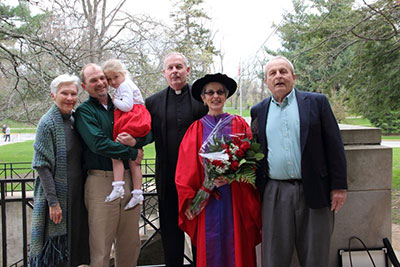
{"points": [[241, 27]]}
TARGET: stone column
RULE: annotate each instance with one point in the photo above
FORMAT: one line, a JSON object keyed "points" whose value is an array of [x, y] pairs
{"points": [[367, 212]]}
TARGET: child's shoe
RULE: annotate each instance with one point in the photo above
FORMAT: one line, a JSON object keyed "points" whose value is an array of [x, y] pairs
{"points": [[117, 192], [137, 198]]}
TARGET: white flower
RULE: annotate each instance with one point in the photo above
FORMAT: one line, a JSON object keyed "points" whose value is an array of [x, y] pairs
{"points": [[220, 155]]}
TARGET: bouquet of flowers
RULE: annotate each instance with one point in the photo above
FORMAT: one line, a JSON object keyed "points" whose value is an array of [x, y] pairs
{"points": [[233, 158]]}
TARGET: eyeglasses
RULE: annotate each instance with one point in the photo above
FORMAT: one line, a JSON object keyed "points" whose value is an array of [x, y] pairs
{"points": [[211, 92]]}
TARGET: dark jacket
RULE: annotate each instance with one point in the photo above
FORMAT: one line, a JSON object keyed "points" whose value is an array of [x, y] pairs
{"points": [[157, 106], [95, 125], [323, 160]]}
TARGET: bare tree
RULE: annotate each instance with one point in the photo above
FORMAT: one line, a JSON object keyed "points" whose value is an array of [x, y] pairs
{"points": [[61, 39], [192, 36]]}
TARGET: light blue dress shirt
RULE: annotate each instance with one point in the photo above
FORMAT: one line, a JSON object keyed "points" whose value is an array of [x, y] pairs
{"points": [[283, 137]]}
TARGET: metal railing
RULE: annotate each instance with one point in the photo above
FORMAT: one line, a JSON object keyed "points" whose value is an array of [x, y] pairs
{"points": [[26, 202], [13, 172], [16, 184]]}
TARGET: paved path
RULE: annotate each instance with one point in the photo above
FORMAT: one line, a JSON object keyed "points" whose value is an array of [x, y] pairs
{"points": [[15, 138], [391, 143]]}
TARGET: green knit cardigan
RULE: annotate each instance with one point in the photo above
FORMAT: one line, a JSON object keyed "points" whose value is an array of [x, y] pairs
{"points": [[49, 244]]}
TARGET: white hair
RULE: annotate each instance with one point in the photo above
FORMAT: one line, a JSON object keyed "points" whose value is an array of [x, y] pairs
{"points": [[283, 58], [63, 79], [185, 60]]}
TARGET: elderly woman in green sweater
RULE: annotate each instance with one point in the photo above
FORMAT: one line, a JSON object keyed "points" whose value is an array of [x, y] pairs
{"points": [[59, 234]]}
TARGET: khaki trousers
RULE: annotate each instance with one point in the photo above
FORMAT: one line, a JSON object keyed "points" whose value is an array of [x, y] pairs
{"points": [[109, 222]]}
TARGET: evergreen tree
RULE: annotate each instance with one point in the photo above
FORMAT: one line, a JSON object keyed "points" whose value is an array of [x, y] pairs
{"points": [[345, 47], [192, 37]]}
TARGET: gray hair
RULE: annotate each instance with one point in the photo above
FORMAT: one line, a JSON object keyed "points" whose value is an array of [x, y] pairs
{"points": [[283, 58], [63, 79], [177, 54]]}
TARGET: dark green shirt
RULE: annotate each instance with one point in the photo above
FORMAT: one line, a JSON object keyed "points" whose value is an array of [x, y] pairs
{"points": [[95, 125]]}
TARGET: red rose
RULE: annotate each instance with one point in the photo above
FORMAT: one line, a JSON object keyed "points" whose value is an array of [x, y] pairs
{"points": [[235, 165], [218, 163], [225, 146], [239, 153], [245, 146], [236, 140]]}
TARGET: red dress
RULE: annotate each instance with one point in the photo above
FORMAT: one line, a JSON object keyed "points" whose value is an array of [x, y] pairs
{"points": [[136, 122]]}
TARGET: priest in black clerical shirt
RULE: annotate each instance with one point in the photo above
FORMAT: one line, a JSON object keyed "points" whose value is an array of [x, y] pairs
{"points": [[172, 111]]}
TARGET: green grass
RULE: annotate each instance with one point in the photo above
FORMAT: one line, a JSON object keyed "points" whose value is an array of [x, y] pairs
{"points": [[17, 152], [16, 124], [149, 151], [22, 130], [233, 111], [366, 122], [396, 168], [396, 186], [19, 127], [23, 152], [357, 121], [391, 137]]}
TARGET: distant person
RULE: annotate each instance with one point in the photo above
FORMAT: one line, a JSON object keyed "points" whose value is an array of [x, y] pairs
{"points": [[59, 235], [3, 129], [132, 117], [303, 178], [172, 111], [228, 229], [109, 222], [7, 134]]}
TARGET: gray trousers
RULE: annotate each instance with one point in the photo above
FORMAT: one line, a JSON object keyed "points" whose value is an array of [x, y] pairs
{"points": [[288, 223]]}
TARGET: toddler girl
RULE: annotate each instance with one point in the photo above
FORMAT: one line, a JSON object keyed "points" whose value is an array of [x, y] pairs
{"points": [[132, 117]]}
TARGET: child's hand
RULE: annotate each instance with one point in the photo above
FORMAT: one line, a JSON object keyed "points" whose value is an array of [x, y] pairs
{"points": [[126, 139]]}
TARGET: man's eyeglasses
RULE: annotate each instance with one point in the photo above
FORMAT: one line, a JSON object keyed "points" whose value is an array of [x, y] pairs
{"points": [[211, 92]]}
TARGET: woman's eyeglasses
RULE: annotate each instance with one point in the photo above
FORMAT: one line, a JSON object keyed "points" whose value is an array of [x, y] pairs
{"points": [[211, 92]]}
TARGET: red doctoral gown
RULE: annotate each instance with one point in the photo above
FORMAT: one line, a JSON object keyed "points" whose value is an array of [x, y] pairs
{"points": [[245, 199]]}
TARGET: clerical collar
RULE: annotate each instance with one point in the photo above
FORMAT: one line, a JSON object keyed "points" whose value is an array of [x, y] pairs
{"points": [[179, 92]]}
